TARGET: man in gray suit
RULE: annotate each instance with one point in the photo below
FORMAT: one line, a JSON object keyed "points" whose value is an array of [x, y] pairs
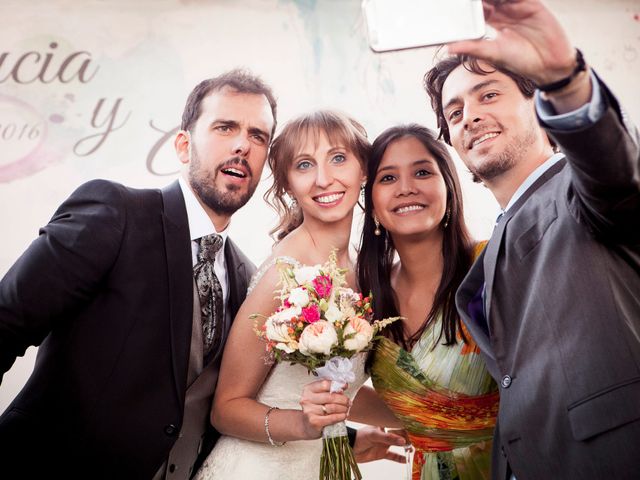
{"points": [[129, 346], [554, 301]]}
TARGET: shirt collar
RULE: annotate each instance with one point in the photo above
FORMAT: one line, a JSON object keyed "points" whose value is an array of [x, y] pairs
{"points": [[199, 222], [533, 176]]}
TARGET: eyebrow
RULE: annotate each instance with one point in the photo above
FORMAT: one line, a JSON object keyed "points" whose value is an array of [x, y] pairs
{"points": [[422, 161], [234, 124], [337, 148], [474, 89], [334, 149], [259, 131], [228, 123]]}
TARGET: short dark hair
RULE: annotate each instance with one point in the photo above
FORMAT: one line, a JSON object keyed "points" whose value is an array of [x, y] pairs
{"points": [[377, 252], [239, 80], [434, 80]]}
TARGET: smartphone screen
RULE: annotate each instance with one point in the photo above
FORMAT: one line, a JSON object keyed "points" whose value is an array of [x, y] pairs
{"points": [[399, 24]]}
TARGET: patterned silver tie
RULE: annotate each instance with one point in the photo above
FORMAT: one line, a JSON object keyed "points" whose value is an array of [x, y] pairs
{"points": [[209, 291]]}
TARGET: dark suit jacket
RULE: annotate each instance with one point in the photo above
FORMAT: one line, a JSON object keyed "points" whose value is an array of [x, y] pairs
{"points": [[562, 275], [106, 290]]}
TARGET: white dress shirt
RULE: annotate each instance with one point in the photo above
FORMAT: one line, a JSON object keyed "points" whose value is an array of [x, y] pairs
{"points": [[200, 225]]}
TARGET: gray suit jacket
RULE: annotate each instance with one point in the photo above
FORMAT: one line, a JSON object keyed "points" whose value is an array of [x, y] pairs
{"points": [[562, 276]]}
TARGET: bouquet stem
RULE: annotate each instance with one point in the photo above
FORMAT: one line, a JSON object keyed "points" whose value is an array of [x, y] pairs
{"points": [[337, 461]]}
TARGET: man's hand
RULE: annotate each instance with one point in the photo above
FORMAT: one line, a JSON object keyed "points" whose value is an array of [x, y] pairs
{"points": [[372, 443], [529, 40]]}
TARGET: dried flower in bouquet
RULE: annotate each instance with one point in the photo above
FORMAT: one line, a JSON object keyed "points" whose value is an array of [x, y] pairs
{"points": [[322, 324]]}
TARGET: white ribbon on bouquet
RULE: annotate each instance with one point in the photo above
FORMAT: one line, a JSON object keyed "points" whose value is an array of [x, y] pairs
{"points": [[340, 371]]}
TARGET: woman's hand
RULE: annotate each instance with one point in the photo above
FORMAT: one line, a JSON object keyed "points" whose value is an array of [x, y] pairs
{"points": [[320, 407], [372, 443]]}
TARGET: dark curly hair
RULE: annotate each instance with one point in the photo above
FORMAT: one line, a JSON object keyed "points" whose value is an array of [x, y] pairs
{"points": [[434, 79]]}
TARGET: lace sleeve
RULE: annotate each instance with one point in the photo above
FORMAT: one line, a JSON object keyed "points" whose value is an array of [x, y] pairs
{"points": [[266, 266]]}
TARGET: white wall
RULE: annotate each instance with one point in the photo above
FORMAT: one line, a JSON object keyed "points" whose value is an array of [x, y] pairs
{"points": [[145, 56]]}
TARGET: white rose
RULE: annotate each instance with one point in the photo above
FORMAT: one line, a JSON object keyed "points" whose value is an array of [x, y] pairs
{"points": [[333, 313], [318, 337], [306, 274], [362, 332], [299, 297]]}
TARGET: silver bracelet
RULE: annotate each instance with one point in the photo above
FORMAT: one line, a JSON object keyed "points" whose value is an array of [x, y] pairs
{"points": [[266, 428]]}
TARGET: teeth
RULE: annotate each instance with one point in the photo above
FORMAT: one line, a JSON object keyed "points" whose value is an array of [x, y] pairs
{"points": [[484, 137], [234, 172], [409, 208], [329, 198]]}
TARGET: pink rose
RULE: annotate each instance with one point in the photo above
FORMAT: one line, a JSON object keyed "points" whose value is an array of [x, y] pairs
{"points": [[322, 286], [311, 314], [358, 333]]}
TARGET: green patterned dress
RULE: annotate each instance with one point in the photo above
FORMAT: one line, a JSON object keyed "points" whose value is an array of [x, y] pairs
{"points": [[446, 400]]}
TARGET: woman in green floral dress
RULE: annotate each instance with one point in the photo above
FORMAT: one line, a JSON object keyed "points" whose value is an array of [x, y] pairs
{"points": [[415, 251]]}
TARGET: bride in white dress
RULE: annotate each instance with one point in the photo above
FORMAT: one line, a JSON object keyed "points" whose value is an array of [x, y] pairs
{"points": [[317, 162]]}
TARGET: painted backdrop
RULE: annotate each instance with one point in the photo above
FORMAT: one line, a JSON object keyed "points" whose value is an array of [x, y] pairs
{"points": [[95, 88]]}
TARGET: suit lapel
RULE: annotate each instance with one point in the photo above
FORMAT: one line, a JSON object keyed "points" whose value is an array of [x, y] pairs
{"points": [[489, 262], [492, 252], [482, 272], [469, 288], [237, 284], [180, 281], [237, 281]]}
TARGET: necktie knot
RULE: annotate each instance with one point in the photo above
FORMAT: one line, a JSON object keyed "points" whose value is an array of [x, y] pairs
{"points": [[209, 246]]}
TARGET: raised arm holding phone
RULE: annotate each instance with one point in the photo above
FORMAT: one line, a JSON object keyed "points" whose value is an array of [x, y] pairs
{"points": [[553, 300]]}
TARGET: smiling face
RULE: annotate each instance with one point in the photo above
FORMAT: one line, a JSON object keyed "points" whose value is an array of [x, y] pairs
{"points": [[325, 178], [227, 148], [409, 194], [492, 125]]}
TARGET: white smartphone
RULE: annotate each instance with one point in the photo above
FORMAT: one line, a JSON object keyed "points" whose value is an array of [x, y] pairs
{"points": [[399, 24]]}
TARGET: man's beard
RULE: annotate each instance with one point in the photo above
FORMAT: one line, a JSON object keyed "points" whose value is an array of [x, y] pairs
{"points": [[497, 164], [203, 184]]}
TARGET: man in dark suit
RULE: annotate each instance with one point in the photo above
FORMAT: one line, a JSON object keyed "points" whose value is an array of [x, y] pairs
{"points": [[128, 356], [553, 302]]}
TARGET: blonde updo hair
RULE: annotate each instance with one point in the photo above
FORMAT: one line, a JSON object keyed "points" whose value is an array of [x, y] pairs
{"points": [[340, 129]]}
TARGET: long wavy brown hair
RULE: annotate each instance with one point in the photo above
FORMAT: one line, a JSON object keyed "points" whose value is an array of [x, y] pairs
{"points": [[340, 129]]}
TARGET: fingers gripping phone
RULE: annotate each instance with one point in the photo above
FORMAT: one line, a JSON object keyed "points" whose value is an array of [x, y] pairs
{"points": [[400, 24]]}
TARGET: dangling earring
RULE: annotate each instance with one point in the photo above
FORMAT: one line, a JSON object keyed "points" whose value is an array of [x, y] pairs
{"points": [[377, 231], [361, 198], [293, 203], [447, 216]]}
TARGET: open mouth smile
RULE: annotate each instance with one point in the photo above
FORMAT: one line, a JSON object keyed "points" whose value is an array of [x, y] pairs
{"points": [[329, 198], [234, 172], [403, 209], [483, 138]]}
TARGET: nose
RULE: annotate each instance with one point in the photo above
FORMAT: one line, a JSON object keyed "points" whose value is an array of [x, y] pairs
{"points": [[406, 186], [324, 176], [241, 145], [472, 116]]}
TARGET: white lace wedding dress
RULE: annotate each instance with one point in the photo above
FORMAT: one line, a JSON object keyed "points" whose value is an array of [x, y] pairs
{"points": [[236, 459]]}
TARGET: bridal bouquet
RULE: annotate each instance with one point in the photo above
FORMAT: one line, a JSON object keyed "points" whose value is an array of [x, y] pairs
{"points": [[321, 324]]}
